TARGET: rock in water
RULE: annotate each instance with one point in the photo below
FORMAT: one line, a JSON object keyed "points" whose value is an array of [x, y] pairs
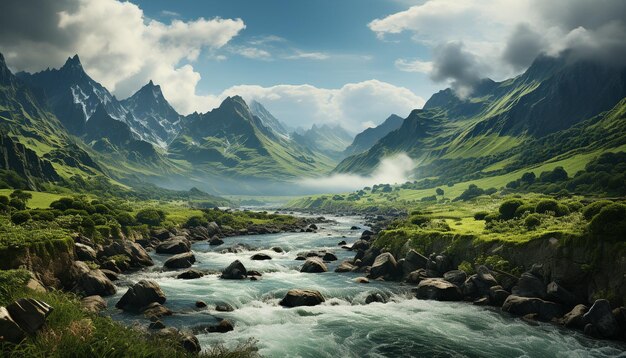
{"points": [[30, 314], [602, 319], [190, 274], [455, 277], [95, 282], [574, 318], [385, 265], [184, 260], [235, 271], [9, 330], [329, 256], [141, 295], [314, 265], [345, 266], [522, 306], [437, 289], [295, 298], [260, 257]]}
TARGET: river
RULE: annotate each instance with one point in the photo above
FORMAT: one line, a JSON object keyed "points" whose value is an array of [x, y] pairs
{"points": [[343, 326]]}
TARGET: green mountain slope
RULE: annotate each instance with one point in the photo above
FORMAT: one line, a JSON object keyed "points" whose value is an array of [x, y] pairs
{"points": [[489, 132]]}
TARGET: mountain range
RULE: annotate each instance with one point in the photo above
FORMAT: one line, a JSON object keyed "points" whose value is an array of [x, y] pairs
{"points": [[59, 124]]}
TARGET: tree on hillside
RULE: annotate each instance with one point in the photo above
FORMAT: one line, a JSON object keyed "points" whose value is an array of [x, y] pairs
{"points": [[439, 191]]}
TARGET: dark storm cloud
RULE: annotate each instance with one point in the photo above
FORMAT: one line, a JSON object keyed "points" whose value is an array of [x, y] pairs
{"points": [[523, 47], [452, 63], [30, 28]]}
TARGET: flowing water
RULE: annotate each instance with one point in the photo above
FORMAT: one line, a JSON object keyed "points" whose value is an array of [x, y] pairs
{"points": [[343, 326]]}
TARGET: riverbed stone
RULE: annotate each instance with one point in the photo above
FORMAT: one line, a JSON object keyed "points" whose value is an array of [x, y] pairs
{"points": [[455, 277], [345, 266], [558, 293], [329, 256], [297, 297], [216, 241], [497, 295], [235, 271], [155, 309], [530, 285], [314, 265], [437, 289], [416, 276], [141, 295], [375, 297]]}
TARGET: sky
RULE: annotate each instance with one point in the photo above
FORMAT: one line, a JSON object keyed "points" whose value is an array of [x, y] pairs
{"points": [[340, 62]]}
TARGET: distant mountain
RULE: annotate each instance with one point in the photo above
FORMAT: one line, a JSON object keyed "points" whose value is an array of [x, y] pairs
{"points": [[268, 120], [233, 141], [366, 139], [326, 139], [73, 96], [459, 138], [149, 106]]}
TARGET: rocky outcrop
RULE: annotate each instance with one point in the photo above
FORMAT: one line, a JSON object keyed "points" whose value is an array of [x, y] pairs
{"points": [[93, 304], [141, 295], [29, 314], [137, 254], [295, 298], [9, 330], [173, 246], [600, 320], [84, 252]]}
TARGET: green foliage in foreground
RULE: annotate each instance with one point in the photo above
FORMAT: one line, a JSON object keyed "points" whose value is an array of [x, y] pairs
{"points": [[71, 332]]}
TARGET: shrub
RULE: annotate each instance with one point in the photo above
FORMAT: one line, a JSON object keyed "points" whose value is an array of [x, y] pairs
{"points": [[17, 204], [439, 191], [4, 200], [471, 192], [547, 205], [21, 195], [152, 217], [480, 215], [196, 221], [532, 221], [101, 209], [610, 222], [125, 219], [429, 198], [20, 217], [507, 209], [62, 204], [528, 178], [490, 191], [526, 208], [594, 208], [42, 215], [492, 217], [419, 219], [467, 267]]}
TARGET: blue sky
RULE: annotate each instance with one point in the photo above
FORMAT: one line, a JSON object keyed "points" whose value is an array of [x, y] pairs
{"points": [[348, 51]]}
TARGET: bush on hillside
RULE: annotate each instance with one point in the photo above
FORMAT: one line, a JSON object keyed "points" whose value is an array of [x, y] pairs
{"points": [[610, 223], [509, 207], [20, 217], [152, 217]]}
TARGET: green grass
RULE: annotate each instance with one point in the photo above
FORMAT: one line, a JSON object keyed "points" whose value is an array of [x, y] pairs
{"points": [[40, 200]]}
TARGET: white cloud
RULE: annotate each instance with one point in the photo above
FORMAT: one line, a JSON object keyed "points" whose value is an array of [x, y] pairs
{"points": [[351, 106], [391, 170], [127, 49], [414, 65], [251, 52], [298, 55]]}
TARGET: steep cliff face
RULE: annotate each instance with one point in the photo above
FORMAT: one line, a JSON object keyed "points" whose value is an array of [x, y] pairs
{"points": [[15, 156]]}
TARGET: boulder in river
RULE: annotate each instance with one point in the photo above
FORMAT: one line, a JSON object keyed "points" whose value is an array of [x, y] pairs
{"points": [[29, 314], [213, 228], [560, 294], [417, 276], [224, 307], [437, 289], [235, 271], [92, 282], [361, 245], [260, 257], [522, 306], [375, 297], [141, 295], [190, 274], [179, 261], [345, 266], [155, 309], [215, 241], [384, 266], [175, 245], [456, 277], [329, 256], [137, 254], [575, 317], [314, 265], [295, 298], [601, 318], [277, 249], [530, 285]]}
